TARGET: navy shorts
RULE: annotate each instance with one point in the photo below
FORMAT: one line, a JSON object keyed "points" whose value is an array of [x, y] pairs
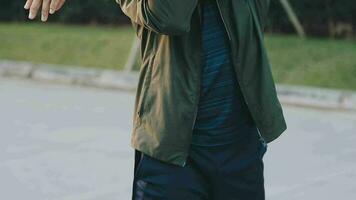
{"points": [[232, 171]]}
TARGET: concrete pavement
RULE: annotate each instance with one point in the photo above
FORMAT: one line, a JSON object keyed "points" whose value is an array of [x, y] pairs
{"points": [[67, 142]]}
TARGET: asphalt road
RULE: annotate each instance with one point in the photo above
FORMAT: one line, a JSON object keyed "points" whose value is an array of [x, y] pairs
{"points": [[61, 142]]}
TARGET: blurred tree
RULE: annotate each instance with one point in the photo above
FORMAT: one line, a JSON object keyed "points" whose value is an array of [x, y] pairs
{"points": [[318, 17], [11, 10], [75, 11], [293, 18]]}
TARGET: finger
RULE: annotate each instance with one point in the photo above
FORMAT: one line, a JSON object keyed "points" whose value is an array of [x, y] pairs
{"points": [[45, 10], [28, 4], [60, 4], [53, 6], [34, 8]]}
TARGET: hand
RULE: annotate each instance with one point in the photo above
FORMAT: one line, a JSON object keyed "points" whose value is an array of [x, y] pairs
{"points": [[48, 7]]}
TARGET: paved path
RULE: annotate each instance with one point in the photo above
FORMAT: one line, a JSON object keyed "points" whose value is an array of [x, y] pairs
{"points": [[72, 143]]}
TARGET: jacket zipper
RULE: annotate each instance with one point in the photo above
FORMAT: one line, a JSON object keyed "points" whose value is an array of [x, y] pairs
{"points": [[222, 18], [198, 95], [197, 103]]}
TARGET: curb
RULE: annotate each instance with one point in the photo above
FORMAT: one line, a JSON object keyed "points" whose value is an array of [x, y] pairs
{"points": [[317, 97], [124, 80], [107, 79]]}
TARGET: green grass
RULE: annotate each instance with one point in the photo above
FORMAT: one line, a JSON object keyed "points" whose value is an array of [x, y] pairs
{"points": [[315, 62], [105, 47]]}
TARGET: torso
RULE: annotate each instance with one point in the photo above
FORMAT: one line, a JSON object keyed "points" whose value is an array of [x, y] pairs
{"points": [[223, 115]]}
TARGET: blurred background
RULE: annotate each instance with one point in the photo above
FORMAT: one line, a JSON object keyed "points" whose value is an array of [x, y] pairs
{"points": [[99, 28], [71, 141]]}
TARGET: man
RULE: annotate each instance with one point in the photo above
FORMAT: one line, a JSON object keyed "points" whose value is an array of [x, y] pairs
{"points": [[206, 104]]}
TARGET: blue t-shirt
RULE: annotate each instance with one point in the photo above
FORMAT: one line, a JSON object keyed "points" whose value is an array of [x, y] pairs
{"points": [[223, 116]]}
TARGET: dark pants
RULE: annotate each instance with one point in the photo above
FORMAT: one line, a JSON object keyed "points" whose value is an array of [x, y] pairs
{"points": [[226, 172]]}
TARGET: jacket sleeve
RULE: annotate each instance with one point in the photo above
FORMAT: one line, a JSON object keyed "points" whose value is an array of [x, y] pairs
{"points": [[263, 8], [170, 17]]}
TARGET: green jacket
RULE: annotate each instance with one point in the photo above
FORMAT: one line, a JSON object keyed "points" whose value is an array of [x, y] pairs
{"points": [[168, 89]]}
